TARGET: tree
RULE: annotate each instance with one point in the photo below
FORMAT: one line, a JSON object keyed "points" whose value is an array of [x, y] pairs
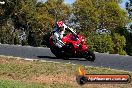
{"points": [[115, 16], [6, 10], [100, 43], [129, 8], [49, 12], [95, 13], [58, 9], [23, 10], [128, 36], [31, 16], [119, 44], [87, 13]]}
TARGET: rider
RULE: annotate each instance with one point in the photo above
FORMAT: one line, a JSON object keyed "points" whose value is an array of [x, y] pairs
{"points": [[58, 33]]}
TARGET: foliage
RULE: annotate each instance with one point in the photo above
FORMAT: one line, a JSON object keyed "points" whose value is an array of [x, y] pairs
{"points": [[115, 16], [128, 36], [35, 17], [93, 14], [119, 44], [114, 43], [100, 43], [87, 13], [6, 10], [24, 11], [58, 8], [128, 8]]}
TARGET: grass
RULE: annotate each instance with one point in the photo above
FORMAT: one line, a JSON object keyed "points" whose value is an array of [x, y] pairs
{"points": [[19, 73], [19, 84]]}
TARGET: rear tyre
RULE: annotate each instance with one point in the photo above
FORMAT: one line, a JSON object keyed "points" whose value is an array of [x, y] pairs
{"points": [[90, 56], [58, 53]]}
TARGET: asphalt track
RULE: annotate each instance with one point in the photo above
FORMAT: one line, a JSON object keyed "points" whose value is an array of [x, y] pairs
{"points": [[102, 60]]}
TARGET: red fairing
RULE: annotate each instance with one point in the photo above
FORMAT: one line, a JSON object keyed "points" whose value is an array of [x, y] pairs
{"points": [[79, 44]]}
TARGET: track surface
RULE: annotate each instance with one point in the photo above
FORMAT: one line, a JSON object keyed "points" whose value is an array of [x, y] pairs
{"points": [[102, 60]]}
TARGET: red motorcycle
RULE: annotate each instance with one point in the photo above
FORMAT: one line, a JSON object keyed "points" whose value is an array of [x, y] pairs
{"points": [[76, 47]]}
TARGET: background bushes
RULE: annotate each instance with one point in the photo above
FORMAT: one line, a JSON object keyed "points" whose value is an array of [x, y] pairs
{"points": [[106, 43]]}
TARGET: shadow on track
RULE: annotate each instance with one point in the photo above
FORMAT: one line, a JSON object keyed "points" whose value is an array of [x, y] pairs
{"points": [[49, 57]]}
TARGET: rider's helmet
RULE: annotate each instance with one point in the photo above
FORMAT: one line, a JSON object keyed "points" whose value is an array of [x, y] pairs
{"points": [[60, 25]]}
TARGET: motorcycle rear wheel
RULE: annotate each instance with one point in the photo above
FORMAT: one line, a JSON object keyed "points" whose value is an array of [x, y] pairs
{"points": [[58, 53]]}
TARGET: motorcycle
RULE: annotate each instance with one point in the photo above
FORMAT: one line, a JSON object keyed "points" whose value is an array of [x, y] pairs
{"points": [[75, 44]]}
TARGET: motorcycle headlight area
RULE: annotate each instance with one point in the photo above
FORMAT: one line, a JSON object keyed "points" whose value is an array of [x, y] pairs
{"points": [[83, 40]]}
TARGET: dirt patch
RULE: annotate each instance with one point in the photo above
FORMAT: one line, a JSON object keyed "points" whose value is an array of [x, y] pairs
{"points": [[8, 75], [8, 60], [61, 78], [64, 79]]}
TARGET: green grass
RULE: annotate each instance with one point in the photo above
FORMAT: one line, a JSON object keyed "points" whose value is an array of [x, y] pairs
{"points": [[18, 84], [16, 73]]}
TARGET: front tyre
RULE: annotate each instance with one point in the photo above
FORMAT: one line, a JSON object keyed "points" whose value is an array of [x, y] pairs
{"points": [[90, 56]]}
